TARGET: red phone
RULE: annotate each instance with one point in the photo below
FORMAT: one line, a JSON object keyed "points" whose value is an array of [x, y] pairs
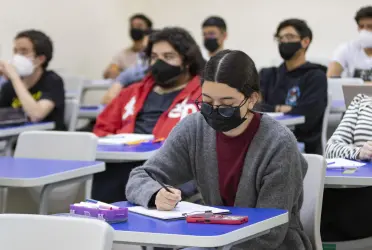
{"points": [[217, 219]]}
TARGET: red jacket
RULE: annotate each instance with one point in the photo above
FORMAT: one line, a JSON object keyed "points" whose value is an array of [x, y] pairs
{"points": [[120, 115]]}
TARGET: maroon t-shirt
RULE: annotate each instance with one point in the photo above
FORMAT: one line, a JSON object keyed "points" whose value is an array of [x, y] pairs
{"points": [[231, 152]]}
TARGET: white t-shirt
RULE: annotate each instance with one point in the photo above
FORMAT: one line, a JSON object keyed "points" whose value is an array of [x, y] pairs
{"points": [[205, 54], [354, 61]]}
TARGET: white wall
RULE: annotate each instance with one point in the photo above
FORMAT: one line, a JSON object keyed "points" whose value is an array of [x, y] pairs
{"points": [[252, 23], [87, 33]]}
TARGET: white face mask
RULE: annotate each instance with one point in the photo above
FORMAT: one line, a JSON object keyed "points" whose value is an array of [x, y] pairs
{"points": [[365, 39], [23, 65]]}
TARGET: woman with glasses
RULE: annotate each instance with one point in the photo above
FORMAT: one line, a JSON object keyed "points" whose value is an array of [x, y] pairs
{"points": [[237, 157]]}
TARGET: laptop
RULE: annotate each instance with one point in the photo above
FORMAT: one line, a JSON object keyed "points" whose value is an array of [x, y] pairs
{"points": [[12, 116], [350, 91]]}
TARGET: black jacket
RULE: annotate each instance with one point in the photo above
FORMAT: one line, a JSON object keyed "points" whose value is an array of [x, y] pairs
{"points": [[305, 89]]}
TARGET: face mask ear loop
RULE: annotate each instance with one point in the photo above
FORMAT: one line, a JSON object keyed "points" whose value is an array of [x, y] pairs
{"points": [[248, 109]]}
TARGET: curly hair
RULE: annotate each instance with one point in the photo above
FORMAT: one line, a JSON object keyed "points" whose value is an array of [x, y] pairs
{"points": [[183, 43]]}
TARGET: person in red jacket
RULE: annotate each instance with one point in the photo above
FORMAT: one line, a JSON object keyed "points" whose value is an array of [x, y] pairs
{"points": [[153, 106]]}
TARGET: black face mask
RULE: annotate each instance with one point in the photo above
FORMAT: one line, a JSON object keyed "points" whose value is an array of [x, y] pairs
{"points": [[287, 50], [137, 34], [221, 118], [211, 44], [165, 75]]}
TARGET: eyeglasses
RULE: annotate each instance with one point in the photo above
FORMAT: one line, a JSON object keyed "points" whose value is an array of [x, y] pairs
{"points": [[287, 38], [223, 110]]}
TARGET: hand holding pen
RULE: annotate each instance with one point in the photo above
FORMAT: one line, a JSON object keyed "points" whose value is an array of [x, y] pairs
{"points": [[167, 198]]}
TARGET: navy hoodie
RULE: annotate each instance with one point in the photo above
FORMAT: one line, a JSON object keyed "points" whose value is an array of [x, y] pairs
{"points": [[305, 89]]}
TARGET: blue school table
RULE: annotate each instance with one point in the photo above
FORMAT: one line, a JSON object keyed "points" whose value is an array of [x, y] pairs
{"points": [[147, 231], [10, 133], [126, 153], [361, 177], [290, 120], [27, 172], [90, 112], [16, 130]]}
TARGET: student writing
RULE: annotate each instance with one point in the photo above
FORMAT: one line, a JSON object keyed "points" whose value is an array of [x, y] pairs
{"points": [[237, 157]]}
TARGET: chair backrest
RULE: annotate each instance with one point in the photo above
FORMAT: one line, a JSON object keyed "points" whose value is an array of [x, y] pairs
{"points": [[311, 209], [71, 113], [327, 111], [73, 84], [58, 145], [335, 86], [41, 232]]}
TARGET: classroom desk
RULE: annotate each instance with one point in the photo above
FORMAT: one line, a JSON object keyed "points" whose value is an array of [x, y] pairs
{"points": [[90, 112], [7, 133], [290, 120], [16, 130], [100, 84], [27, 172], [146, 231], [361, 177], [125, 153]]}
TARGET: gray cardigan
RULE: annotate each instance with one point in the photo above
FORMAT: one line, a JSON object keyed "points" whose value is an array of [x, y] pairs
{"points": [[272, 175]]}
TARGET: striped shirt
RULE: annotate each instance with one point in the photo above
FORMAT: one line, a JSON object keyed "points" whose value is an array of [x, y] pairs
{"points": [[354, 130]]}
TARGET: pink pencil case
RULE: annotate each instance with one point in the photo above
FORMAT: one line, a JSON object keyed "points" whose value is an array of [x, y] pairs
{"points": [[110, 216]]}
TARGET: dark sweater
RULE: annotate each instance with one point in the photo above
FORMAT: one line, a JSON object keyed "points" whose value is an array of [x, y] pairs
{"points": [[305, 89], [272, 175]]}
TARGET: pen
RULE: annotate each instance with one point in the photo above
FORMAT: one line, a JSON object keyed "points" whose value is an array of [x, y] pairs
{"points": [[330, 163], [152, 176]]}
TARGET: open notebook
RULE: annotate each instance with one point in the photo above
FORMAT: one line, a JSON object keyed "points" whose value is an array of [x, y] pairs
{"points": [[178, 212], [124, 139], [343, 163]]}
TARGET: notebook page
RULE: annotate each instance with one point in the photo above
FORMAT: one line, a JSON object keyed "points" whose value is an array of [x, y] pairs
{"points": [[124, 138], [343, 163], [177, 213]]}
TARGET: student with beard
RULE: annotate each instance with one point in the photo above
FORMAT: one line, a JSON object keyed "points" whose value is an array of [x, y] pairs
{"points": [[296, 87], [154, 105], [140, 25]]}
